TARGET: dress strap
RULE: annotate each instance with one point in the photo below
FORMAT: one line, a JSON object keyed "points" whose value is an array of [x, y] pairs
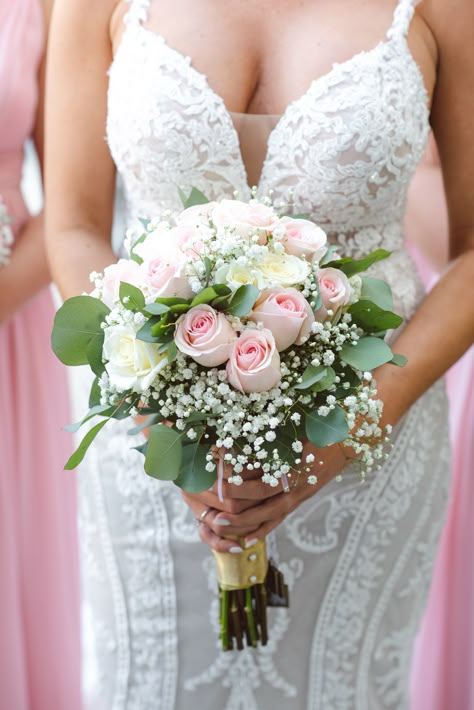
{"points": [[137, 12], [401, 18]]}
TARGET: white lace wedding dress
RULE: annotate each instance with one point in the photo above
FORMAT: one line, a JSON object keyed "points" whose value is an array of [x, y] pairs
{"points": [[357, 557]]}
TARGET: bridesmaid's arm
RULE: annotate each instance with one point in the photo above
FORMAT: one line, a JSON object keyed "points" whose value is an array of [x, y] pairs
{"points": [[27, 271], [442, 329], [80, 175]]}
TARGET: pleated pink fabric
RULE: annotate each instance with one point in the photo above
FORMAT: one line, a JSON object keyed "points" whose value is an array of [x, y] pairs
{"points": [[443, 667], [39, 589]]}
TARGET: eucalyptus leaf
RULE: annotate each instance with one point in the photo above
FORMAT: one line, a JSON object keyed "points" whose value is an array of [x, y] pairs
{"points": [[172, 351], [371, 318], [354, 266], [94, 354], [323, 431], [367, 354], [156, 309], [332, 248], [171, 300], [193, 476], [243, 300], [196, 197], [312, 375], [149, 421], [377, 291], [399, 360], [131, 297], [81, 450], [104, 409], [76, 323], [204, 296], [164, 453], [145, 332], [95, 394]]}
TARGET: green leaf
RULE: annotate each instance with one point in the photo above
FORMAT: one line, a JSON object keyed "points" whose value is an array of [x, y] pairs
{"points": [[94, 354], [323, 431], [131, 297], [399, 360], [377, 291], [171, 301], [77, 321], [367, 354], [156, 309], [141, 448], [321, 375], [172, 351], [81, 450], [204, 296], [164, 453], [354, 266], [104, 409], [368, 316], [196, 197], [197, 417], [95, 394], [332, 248], [149, 421], [243, 300], [222, 289], [145, 332], [193, 476]]}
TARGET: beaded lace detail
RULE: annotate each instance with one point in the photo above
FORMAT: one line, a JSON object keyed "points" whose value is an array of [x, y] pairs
{"points": [[357, 558]]}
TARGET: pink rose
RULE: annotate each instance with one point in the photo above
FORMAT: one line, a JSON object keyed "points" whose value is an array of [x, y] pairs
{"points": [[254, 362], [165, 276], [245, 217], [335, 290], [287, 313], [124, 270], [154, 243], [198, 214], [205, 335], [303, 237], [188, 239]]}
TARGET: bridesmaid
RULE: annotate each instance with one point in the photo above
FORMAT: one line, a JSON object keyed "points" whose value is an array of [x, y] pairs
{"points": [[39, 604], [442, 675]]}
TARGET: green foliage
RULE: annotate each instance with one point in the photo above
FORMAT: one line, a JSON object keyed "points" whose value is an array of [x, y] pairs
{"points": [[81, 450], [205, 296], [317, 379], [399, 360], [332, 248], [131, 297], [373, 319], [367, 354], [377, 291], [193, 476], [164, 453], [156, 309], [243, 300], [196, 197], [94, 354], [76, 323], [323, 431], [354, 266]]}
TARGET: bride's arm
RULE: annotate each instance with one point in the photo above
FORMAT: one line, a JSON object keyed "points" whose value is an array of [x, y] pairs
{"points": [[443, 326], [80, 175], [27, 271]]}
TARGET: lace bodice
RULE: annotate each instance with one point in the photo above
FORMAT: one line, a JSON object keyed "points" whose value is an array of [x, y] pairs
{"points": [[345, 150]]}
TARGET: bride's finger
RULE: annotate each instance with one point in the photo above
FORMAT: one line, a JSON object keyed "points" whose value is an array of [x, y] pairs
{"points": [[216, 542]]}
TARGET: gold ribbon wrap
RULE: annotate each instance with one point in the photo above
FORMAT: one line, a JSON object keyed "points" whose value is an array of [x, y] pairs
{"points": [[242, 570]]}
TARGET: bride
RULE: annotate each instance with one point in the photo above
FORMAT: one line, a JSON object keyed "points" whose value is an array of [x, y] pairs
{"points": [[354, 87]]}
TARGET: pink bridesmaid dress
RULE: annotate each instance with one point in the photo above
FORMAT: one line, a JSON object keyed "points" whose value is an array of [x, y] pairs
{"points": [[39, 597], [443, 666]]}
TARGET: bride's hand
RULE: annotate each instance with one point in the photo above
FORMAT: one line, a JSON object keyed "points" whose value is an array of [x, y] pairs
{"points": [[250, 511]]}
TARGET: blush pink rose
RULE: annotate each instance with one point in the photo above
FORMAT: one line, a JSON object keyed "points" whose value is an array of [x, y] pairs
{"points": [[254, 362], [287, 313], [188, 239], [205, 335], [196, 215], [245, 217], [335, 290], [124, 270], [303, 237], [165, 276]]}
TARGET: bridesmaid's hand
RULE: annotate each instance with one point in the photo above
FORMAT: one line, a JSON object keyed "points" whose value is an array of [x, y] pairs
{"points": [[250, 511]]}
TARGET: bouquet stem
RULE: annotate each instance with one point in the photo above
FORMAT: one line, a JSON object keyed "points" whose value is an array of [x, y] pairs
{"points": [[248, 584]]}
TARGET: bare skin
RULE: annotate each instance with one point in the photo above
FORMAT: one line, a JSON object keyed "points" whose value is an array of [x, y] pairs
{"points": [[234, 45], [28, 271]]}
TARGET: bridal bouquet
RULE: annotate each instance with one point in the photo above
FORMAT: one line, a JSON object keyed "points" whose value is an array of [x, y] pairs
{"points": [[240, 333], [6, 235]]}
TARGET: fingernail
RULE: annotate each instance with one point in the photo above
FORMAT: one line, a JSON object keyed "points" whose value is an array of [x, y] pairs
{"points": [[235, 550], [221, 521], [251, 543]]}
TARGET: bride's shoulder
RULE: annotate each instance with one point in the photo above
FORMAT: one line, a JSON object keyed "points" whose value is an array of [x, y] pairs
{"points": [[450, 21]]}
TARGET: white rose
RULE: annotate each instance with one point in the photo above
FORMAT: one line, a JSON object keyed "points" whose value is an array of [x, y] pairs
{"points": [[132, 364], [236, 275], [283, 270]]}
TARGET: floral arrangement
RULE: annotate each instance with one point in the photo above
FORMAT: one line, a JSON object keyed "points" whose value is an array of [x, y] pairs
{"points": [[6, 235], [240, 333]]}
